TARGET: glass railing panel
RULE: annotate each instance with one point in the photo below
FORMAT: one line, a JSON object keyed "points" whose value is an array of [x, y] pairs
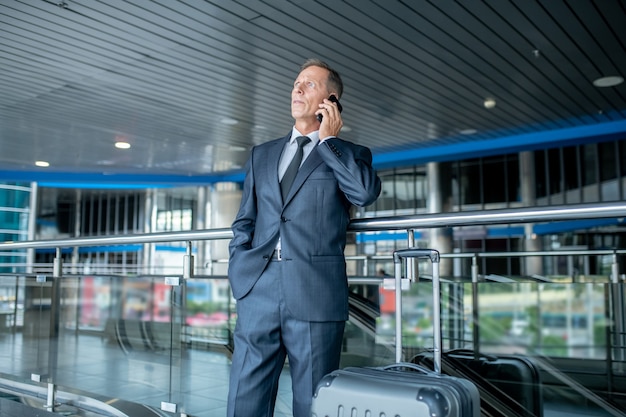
{"points": [[368, 340], [106, 336], [142, 338], [554, 334], [11, 309], [207, 339], [38, 359], [370, 332], [25, 312], [549, 319], [560, 329]]}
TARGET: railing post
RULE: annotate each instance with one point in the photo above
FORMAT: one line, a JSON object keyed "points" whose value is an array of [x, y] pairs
{"points": [[619, 318], [614, 269], [188, 263], [177, 311], [57, 264], [411, 274], [50, 399], [55, 317], [475, 316]]}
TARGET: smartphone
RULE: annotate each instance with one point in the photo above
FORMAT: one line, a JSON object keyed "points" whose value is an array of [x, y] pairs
{"points": [[334, 100]]}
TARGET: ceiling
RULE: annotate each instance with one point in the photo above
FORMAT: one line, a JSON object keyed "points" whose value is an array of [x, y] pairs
{"points": [[193, 84]]}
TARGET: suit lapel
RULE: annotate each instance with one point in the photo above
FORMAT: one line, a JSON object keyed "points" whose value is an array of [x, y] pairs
{"points": [[274, 153], [310, 163]]}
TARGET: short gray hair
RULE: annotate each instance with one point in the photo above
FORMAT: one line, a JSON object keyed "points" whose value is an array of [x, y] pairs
{"points": [[334, 80]]}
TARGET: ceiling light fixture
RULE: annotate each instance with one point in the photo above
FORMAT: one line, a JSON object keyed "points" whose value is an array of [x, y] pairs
{"points": [[229, 121], [468, 131], [122, 145], [610, 81], [42, 164], [489, 103]]}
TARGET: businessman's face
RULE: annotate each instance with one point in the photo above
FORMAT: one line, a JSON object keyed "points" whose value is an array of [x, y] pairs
{"points": [[309, 90]]}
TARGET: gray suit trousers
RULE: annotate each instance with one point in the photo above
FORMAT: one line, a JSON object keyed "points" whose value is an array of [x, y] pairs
{"points": [[265, 334]]}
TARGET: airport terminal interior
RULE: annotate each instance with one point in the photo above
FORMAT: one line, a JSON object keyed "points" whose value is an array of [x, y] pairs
{"points": [[498, 130]]}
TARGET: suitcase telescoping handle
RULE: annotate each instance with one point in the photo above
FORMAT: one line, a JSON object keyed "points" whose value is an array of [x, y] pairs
{"points": [[433, 255]]}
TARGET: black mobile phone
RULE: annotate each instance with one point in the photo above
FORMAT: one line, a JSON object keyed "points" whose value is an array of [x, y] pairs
{"points": [[334, 100]]}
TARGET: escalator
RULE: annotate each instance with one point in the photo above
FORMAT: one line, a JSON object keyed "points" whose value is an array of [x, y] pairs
{"points": [[495, 401]]}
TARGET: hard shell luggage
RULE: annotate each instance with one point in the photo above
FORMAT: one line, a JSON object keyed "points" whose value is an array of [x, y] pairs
{"points": [[402, 389], [513, 375], [508, 383]]}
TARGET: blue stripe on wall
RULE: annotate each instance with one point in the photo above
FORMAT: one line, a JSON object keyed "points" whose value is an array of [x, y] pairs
{"points": [[467, 147], [506, 231], [504, 144], [116, 249]]}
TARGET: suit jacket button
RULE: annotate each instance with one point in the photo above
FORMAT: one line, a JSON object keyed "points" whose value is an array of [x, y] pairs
{"points": [[283, 219], [265, 257]]}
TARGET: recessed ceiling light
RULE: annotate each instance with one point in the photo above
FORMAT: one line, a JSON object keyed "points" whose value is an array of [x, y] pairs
{"points": [[346, 128], [468, 131], [122, 145], [42, 164], [489, 103], [609, 81], [229, 121]]}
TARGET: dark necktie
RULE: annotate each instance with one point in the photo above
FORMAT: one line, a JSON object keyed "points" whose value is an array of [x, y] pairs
{"points": [[292, 169]]}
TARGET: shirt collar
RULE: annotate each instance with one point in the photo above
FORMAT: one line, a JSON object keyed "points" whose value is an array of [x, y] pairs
{"points": [[314, 136]]}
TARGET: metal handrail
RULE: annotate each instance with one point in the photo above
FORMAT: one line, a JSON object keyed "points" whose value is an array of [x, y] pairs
{"points": [[418, 221]]}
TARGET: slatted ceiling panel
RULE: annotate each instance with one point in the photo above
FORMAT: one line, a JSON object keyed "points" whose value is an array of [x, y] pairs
{"points": [[166, 99], [598, 24], [567, 68], [613, 14], [496, 57], [163, 73], [220, 83], [500, 50], [406, 74], [317, 34], [584, 60], [593, 58], [558, 96], [50, 46], [473, 98], [394, 54]]}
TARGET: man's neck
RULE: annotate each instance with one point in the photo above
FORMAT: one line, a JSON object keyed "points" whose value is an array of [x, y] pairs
{"points": [[305, 127]]}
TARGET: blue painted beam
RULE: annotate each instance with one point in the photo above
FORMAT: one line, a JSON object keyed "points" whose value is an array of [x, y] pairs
{"points": [[421, 154]]}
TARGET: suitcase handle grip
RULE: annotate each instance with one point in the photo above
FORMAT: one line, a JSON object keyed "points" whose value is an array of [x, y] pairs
{"points": [[477, 355], [412, 366], [397, 261], [416, 253]]}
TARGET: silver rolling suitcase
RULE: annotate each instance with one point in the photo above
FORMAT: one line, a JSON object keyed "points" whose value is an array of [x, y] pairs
{"points": [[401, 389]]}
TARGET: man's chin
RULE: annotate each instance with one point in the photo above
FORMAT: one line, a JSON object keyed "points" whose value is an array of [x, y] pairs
{"points": [[298, 115]]}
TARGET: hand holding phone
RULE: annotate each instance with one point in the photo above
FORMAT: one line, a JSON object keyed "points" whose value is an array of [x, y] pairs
{"points": [[334, 100]]}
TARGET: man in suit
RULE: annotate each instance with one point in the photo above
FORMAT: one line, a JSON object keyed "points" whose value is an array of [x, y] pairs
{"points": [[287, 267]]}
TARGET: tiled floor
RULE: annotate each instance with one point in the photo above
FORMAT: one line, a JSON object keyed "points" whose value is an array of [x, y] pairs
{"points": [[197, 381], [194, 379]]}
